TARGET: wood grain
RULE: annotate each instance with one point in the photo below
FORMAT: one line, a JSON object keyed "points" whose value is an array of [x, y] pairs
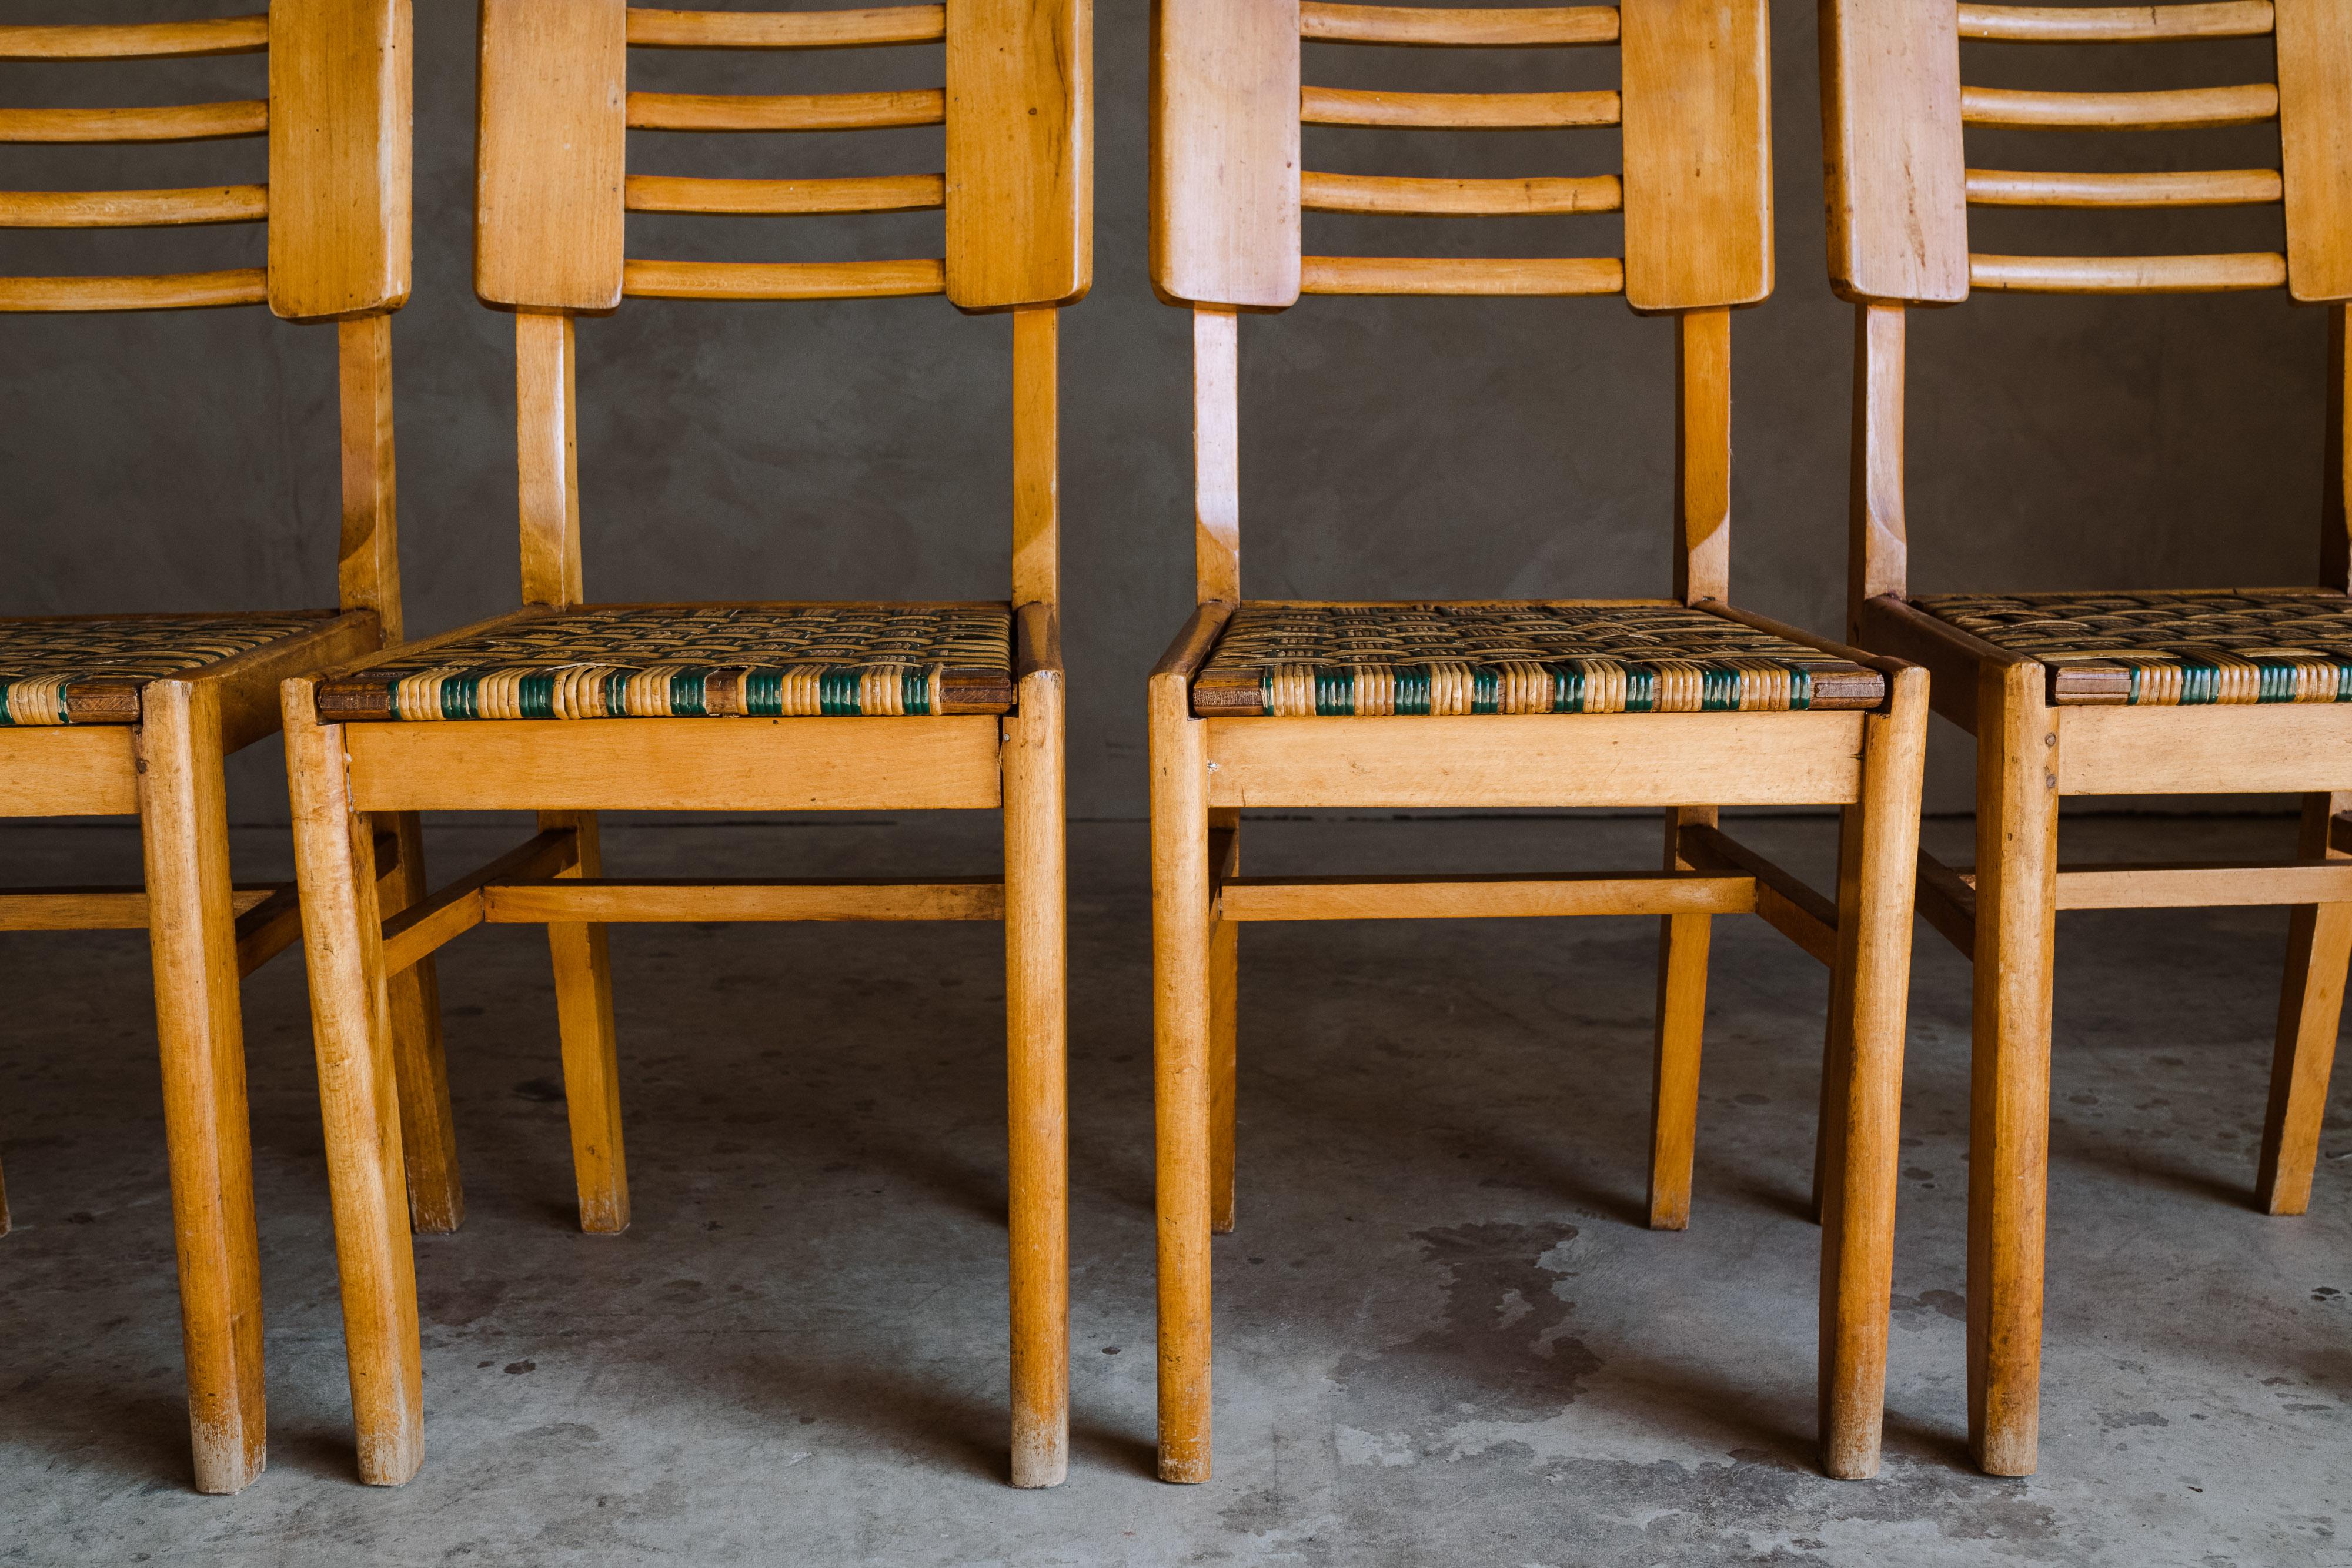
{"points": [[1019, 150], [651, 28], [2116, 23], [867, 193], [1412, 274], [138, 40], [2162, 188], [1898, 221], [1697, 144], [2127, 273], [2169, 109], [1878, 548], [1224, 152], [169, 122], [606, 901], [1505, 896], [2293, 748], [163, 292], [2311, 1008], [2314, 93], [134, 209], [549, 154], [547, 457], [67, 771], [786, 111], [1702, 559], [1216, 455], [1516, 26], [1457, 111], [1460, 198], [367, 558], [784, 279], [340, 148]]}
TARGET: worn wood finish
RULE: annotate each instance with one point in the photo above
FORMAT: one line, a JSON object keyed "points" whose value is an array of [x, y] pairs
{"points": [[2311, 1006], [2169, 109], [865, 194], [1037, 458], [2283, 750], [786, 111], [1703, 456], [1526, 276], [2019, 764], [134, 209], [1785, 902], [162, 292], [138, 40], [67, 771], [1878, 539], [2161, 188], [340, 96], [1898, 221], [428, 1132], [1020, 152], [1400, 195], [583, 1016], [367, 565], [1502, 896], [2127, 273], [547, 458], [1457, 111], [782, 280], [1516, 26], [98, 908], [1226, 151], [1225, 1021], [2215, 887], [550, 151], [429, 922], [1684, 938], [1216, 455], [1697, 141], [654, 28], [2116, 23], [165, 122], [608, 902], [358, 1095], [192, 935], [1947, 901], [2314, 93]]}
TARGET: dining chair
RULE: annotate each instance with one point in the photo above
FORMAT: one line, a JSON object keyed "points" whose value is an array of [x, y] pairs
{"points": [[567, 709], [2075, 693], [134, 715], [1684, 702]]}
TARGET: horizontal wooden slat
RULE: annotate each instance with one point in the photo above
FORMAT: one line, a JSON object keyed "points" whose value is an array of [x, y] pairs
{"points": [[1457, 111], [1560, 760], [103, 908], [876, 193], [2116, 23], [134, 209], [169, 122], [782, 280], [161, 292], [1537, 276], [611, 900], [1406, 196], [2284, 748], [1947, 901], [2127, 273], [787, 111], [1484, 897], [2172, 109], [2165, 188], [67, 771], [1518, 26], [676, 765], [137, 41], [267, 929], [653, 28], [2204, 886], [1790, 907], [440, 917]]}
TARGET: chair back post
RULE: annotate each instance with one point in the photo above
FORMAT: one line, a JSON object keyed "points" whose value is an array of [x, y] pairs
{"points": [[2336, 476]]}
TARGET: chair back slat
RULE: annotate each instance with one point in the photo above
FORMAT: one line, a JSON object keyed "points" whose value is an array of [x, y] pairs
{"points": [[2315, 82], [164, 122], [782, 280], [340, 85], [1020, 152], [550, 222], [786, 111], [2116, 23], [857, 193], [1698, 169], [138, 41], [1403, 196], [154, 291], [1226, 153], [2172, 108], [134, 209], [650, 28], [1516, 26]]}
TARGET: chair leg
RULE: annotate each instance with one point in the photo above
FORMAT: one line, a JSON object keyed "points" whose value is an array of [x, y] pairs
{"points": [[1878, 857], [1225, 992], [1837, 1034], [359, 1096], [2009, 1099], [1037, 1036], [592, 1075], [1181, 1075], [436, 1198], [2311, 1005], [192, 935], [1683, 941]]}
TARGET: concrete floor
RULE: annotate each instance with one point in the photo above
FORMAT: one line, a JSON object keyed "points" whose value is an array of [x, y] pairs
{"points": [[1445, 1337]]}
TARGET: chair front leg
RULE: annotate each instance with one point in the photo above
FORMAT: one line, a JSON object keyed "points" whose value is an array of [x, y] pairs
{"points": [[359, 1095], [436, 1198], [191, 937], [2311, 1005], [1181, 1073], [591, 1070], [1683, 942]]}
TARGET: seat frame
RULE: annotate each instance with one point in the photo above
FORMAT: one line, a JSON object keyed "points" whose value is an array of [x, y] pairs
{"points": [[1899, 189], [550, 234], [338, 217], [1226, 199]]}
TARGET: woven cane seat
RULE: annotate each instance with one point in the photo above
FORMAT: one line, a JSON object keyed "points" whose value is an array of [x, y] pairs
{"points": [[1305, 660], [90, 670], [2171, 649], [757, 661]]}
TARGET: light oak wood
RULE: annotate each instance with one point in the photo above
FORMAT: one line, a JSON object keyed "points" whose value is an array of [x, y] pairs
{"points": [[428, 922], [1226, 153], [183, 829], [1516, 26], [1697, 145], [2311, 1008], [2162, 188], [677, 765], [1216, 454], [1558, 760], [1703, 456], [428, 1130], [547, 458], [549, 154], [1500, 896], [1037, 464], [2116, 23], [654, 28], [2314, 93], [248, 682], [367, 561], [1684, 938], [1528, 277], [2127, 273], [786, 111], [138, 40], [2170, 109], [1455, 111], [867, 193], [98, 908], [2204, 886], [1947, 901], [1460, 198], [782, 280], [1878, 551], [2285, 750], [584, 1019], [340, 95], [163, 292], [1225, 1023], [134, 209], [603, 901], [1786, 904], [1020, 153], [1898, 222], [166, 122], [67, 771]]}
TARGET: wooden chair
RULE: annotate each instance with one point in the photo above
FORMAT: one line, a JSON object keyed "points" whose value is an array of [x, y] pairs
{"points": [[1684, 702], [115, 714], [568, 708], [2095, 694]]}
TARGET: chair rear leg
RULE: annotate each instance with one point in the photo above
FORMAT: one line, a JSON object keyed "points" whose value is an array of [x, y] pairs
{"points": [[1182, 1076], [1683, 942], [1225, 989], [192, 935], [436, 1198], [2311, 1005], [592, 1078]]}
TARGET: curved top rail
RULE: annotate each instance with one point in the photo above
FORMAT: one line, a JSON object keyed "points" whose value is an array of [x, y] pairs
{"points": [[140, 41], [651, 28], [2116, 23], [1519, 27]]}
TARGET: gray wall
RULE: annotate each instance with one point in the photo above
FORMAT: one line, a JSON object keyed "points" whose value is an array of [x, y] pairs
{"points": [[1391, 448]]}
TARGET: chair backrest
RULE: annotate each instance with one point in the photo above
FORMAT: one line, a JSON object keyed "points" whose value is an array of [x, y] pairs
{"points": [[336, 206], [554, 189], [1228, 192], [1900, 187]]}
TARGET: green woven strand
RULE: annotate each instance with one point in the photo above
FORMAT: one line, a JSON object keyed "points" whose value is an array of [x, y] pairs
{"points": [[763, 693], [1800, 685], [1412, 689], [1641, 689], [457, 696], [536, 696], [915, 690], [685, 692], [1335, 691], [836, 692], [1718, 690], [1566, 688], [2199, 685], [1485, 689]]}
